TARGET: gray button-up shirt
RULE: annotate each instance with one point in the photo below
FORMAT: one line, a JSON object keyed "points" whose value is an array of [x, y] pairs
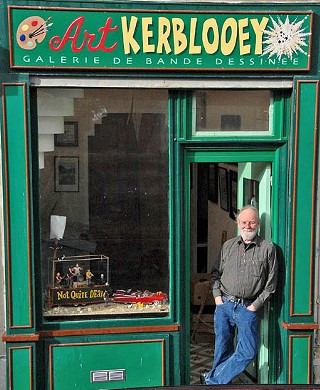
{"points": [[246, 270]]}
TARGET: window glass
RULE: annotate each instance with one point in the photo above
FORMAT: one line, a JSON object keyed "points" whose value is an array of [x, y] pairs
{"points": [[103, 166], [232, 110]]}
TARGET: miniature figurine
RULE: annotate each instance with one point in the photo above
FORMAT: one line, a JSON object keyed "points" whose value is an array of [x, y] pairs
{"points": [[106, 294], [69, 278], [77, 271], [89, 275], [58, 280], [102, 279]]}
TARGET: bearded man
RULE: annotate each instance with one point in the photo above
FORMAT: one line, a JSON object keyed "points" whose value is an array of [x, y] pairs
{"points": [[242, 281]]}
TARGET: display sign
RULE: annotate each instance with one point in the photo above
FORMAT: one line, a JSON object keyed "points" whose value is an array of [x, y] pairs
{"points": [[76, 296], [158, 40]]}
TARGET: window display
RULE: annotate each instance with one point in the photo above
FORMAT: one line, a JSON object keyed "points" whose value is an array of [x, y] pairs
{"points": [[103, 168]]}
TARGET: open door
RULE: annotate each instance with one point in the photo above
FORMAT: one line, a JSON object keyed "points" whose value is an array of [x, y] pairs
{"points": [[254, 184], [217, 191]]}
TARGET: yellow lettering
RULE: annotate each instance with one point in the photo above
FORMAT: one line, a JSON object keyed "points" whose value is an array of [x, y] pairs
{"points": [[127, 34], [96, 294], [164, 29], [206, 35], [228, 45], [243, 36], [146, 35], [193, 49], [60, 295], [258, 29], [210, 24], [179, 37]]}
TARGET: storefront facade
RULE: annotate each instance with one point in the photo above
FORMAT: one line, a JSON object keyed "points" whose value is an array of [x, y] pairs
{"points": [[131, 135]]}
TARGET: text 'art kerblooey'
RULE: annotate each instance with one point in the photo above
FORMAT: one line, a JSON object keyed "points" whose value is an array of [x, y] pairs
{"points": [[112, 39]]}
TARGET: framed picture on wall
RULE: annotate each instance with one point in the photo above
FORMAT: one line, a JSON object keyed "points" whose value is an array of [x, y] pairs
{"points": [[233, 187], [230, 122], [213, 192], [223, 189], [66, 174], [70, 135]]}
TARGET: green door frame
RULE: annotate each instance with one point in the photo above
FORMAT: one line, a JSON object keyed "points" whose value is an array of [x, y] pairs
{"points": [[214, 154]]}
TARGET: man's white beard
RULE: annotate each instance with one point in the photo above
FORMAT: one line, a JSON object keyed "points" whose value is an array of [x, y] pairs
{"points": [[248, 234]]}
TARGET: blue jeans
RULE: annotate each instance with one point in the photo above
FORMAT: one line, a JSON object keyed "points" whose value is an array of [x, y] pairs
{"points": [[230, 362]]}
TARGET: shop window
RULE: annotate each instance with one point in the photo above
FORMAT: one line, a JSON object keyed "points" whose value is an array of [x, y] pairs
{"points": [[103, 166], [228, 112]]}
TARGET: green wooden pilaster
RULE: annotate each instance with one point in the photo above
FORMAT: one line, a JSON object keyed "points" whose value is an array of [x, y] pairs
{"points": [[20, 334], [299, 311], [17, 208]]}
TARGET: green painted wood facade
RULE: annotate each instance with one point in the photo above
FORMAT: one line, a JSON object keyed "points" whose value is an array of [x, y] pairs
{"points": [[38, 352]]}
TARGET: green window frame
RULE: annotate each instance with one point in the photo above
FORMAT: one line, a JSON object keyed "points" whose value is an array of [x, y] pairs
{"points": [[279, 122]]}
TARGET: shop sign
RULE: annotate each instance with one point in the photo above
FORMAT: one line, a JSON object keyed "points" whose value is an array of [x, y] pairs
{"points": [[76, 296], [159, 40]]}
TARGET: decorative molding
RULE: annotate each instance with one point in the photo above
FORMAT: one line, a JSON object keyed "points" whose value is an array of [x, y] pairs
{"points": [[105, 331], [101, 345], [300, 326], [13, 375], [20, 338], [292, 357]]}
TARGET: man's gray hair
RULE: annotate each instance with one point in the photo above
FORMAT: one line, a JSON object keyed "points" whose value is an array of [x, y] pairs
{"points": [[249, 207]]}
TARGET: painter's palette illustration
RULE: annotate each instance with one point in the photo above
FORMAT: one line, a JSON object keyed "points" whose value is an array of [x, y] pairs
{"points": [[32, 31]]}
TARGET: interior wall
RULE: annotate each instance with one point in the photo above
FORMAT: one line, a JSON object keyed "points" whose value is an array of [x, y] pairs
{"points": [[218, 221], [88, 112], [216, 104]]}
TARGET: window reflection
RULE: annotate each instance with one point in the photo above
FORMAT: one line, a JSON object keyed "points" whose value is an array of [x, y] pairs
{"points": [[104, 184], [232, 110]]}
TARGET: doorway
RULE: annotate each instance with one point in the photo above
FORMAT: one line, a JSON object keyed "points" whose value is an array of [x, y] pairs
{"points": [[218, 190]]}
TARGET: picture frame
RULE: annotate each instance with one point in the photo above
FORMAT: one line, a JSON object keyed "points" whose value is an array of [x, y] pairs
{"points": [[70, 136], [233, 188], [223, 189], [213, 183], [66, 174], [230, 122]]}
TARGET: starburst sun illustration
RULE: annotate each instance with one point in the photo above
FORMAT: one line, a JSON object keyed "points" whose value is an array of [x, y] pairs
{"points": [[285, 39]]}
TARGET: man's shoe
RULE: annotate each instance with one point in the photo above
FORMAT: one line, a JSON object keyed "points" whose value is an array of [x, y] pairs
{"points": [[203, 377]]}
